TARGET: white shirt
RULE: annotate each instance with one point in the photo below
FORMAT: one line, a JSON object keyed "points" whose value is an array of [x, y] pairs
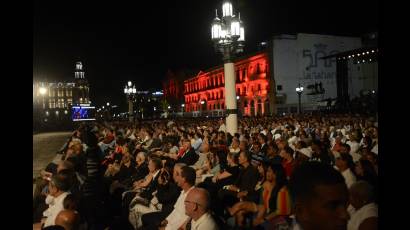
{"points": [[205, 222], [197, 143], [375, 149], [354, 146], [54, 208], [350, 178], [293, 140], [174, 149], [222, 128], [200, 162], [178, 216], [367, 211], [232, 150], [132, 137], [155, 174]]}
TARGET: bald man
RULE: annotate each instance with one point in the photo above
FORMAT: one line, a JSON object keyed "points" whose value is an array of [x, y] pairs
{"points": [[68, 219], [197, 208]]}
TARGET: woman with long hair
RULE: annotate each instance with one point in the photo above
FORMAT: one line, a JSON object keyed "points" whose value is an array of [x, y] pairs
{"points": [[274, 200]]}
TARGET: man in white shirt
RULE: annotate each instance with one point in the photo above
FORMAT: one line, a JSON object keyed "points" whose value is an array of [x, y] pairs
{"points": [[185, 180], [58, 189], [197, 208]]}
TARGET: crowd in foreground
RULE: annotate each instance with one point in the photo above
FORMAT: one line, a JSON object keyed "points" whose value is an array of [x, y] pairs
{"points": [[291, 172]]}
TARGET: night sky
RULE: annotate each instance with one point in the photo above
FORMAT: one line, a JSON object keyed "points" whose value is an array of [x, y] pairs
{"points": [[119, 41]]}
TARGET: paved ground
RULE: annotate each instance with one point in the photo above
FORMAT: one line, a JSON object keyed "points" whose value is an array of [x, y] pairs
{"points": [[45, 146]]}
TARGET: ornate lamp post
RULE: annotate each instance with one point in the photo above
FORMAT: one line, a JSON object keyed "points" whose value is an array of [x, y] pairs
{"points": [[228, 35], [130, 91]]}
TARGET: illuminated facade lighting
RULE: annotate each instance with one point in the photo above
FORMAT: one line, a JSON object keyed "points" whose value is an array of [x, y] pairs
{"points": [[209, 86]]}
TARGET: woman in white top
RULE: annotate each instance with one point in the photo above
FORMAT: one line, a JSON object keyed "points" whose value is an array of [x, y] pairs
{"points": [[365, 213]]}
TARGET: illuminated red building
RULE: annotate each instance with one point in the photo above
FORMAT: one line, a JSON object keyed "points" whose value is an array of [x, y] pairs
{"points": [[205, 93]]}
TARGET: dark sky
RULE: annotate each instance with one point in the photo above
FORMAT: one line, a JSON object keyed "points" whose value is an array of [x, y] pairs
{"points": [[139, 41]]}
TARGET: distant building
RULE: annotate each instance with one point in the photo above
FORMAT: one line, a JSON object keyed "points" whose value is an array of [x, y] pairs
{"points": [[206, 91], [266, 81], [148, 104], [54, 99], [173, 87]]}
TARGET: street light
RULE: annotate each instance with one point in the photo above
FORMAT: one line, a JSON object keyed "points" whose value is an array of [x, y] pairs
{"points": [[130, 91], [299, 90], [108, 104], [42, 91], [182, 108], [228, 35]]}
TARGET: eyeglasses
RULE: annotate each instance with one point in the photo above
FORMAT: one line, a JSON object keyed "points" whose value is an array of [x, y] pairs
{"points": [[192, 202]]}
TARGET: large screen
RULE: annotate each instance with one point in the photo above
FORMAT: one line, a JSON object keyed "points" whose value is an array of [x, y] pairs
{"points": [[83, 113]]}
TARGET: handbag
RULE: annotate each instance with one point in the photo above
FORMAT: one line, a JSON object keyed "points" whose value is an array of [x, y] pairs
{"points": [[139, 200]]}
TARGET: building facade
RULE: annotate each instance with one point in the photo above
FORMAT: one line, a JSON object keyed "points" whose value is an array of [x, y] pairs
{"points": [[54, 99], [205, 93], [173, 88], [266, 81], [299, 59]]}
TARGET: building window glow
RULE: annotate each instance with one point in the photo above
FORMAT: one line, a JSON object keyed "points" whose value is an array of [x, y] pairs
{"points": [[227, 9], [52, 104]]}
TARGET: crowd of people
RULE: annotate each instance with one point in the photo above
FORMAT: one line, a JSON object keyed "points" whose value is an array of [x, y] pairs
{"points": [[290, 172]]}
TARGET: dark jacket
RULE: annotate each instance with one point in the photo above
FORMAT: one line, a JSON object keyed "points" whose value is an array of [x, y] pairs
{"points": [[125, 172], [190, 157], [152, 187], [264, 149], [93, 182], [167, 195], [247, 180]]}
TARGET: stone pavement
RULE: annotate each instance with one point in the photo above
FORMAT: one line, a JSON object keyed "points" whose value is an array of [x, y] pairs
{"points": [[45, 146]]}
